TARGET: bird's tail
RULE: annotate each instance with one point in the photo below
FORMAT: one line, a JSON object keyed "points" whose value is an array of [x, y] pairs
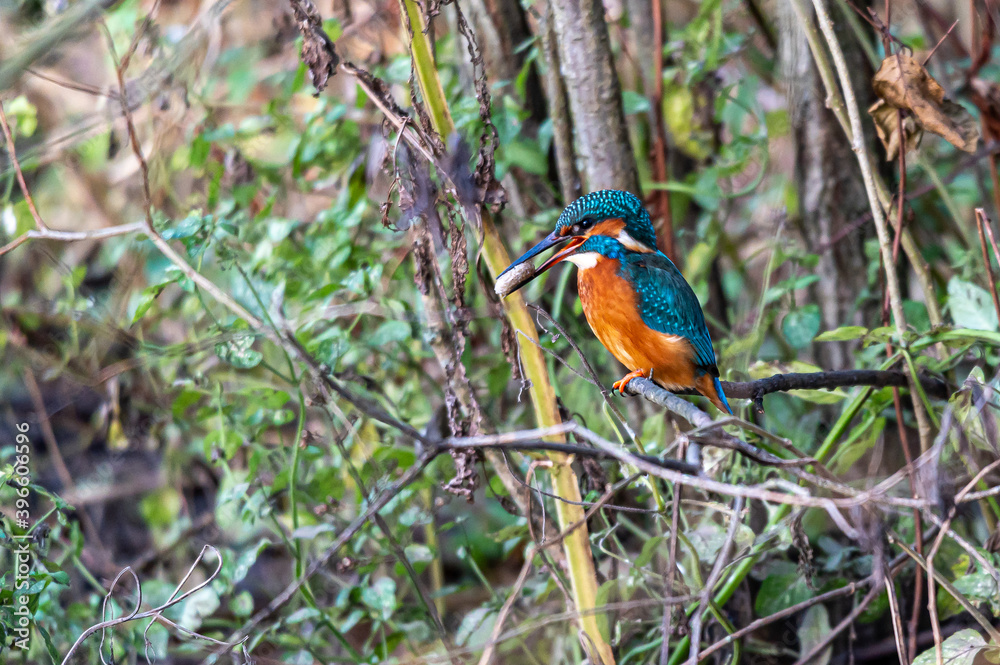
{"points": [[711, 387]]}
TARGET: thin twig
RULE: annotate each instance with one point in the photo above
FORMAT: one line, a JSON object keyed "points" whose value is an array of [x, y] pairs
{"points": [[897, 622], [952, 591], [48, 435], [905, 650], [12, 153], [904, 440], [706, 593], [668, 608], [792, 494], [522, 577], [605, 393], [993, 243], [939, 42], [983, 221], [840, 627], [73, 236]]}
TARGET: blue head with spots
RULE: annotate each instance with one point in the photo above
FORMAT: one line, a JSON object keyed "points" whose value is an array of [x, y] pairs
{"points": [[587, 212], [608, 222]]}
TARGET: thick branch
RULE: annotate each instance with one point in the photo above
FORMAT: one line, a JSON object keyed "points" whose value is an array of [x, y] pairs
{"points": [[594, 92], [755, 390]]}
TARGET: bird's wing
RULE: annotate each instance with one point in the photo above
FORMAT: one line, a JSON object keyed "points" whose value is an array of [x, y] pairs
{"points": [[668, 305]]}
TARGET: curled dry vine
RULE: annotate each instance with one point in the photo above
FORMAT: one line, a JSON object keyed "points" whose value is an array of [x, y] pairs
{"points": [[155, 614]]}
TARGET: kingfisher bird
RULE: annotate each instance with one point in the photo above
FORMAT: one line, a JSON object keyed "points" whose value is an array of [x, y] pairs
{"points": [[635, 299]]}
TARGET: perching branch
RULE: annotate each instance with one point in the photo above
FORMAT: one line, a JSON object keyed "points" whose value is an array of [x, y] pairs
{"points": [[756, 390]]}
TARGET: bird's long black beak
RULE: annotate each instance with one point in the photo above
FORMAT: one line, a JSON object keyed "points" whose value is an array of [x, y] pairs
{"points": [[550, 241]]}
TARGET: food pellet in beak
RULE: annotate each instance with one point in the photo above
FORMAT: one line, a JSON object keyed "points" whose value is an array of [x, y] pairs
{"points": [[513, 279]]}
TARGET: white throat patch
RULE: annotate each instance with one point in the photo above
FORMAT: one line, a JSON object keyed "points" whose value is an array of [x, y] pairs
{"points": [[631, 243], [584, 261]]}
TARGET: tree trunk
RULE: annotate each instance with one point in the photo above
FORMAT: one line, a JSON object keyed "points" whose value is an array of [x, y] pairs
{"points": [[595, 99], [562, 124]]}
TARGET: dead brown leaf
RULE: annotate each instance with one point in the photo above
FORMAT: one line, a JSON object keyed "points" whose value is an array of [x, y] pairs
{"points": [[318, 52], [887, 127], [903, 83]]}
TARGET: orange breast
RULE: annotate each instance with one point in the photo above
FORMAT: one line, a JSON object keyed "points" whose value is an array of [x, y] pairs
{"points": [[612, 310]]}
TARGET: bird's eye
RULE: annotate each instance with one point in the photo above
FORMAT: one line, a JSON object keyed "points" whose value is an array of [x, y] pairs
{"points": [[585, 223]]}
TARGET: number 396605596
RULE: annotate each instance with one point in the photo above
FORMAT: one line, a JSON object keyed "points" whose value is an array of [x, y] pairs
{"points": [[22, 473]]}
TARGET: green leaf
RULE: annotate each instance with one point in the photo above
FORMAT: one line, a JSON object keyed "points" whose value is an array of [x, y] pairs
{"points": [[699, 261], [473, 622], [230, 443], [633, 102], [964, 335], [842, 334], [916, 315], [146, 300], [971, 306], [186, 228], [186, 398], [54, 654], [247, 559], [389, 332], [242, 604], [311, 531], [526, 155], [820, 396], [814, 627], [60, 577], [161, 507], [381, 597], [604, 595], [25, 116], [237, 352], [198, 606], [789, 285], [878, 607], [958, 649], [707, 190], [303, 614], [879, 335], [978, 586], [779, 592], [801, 325], [418, 553], [679, 116], [649, 550]]}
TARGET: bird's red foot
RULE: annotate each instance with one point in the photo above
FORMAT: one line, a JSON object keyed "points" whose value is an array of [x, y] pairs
{"points": [[619, 386]]}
